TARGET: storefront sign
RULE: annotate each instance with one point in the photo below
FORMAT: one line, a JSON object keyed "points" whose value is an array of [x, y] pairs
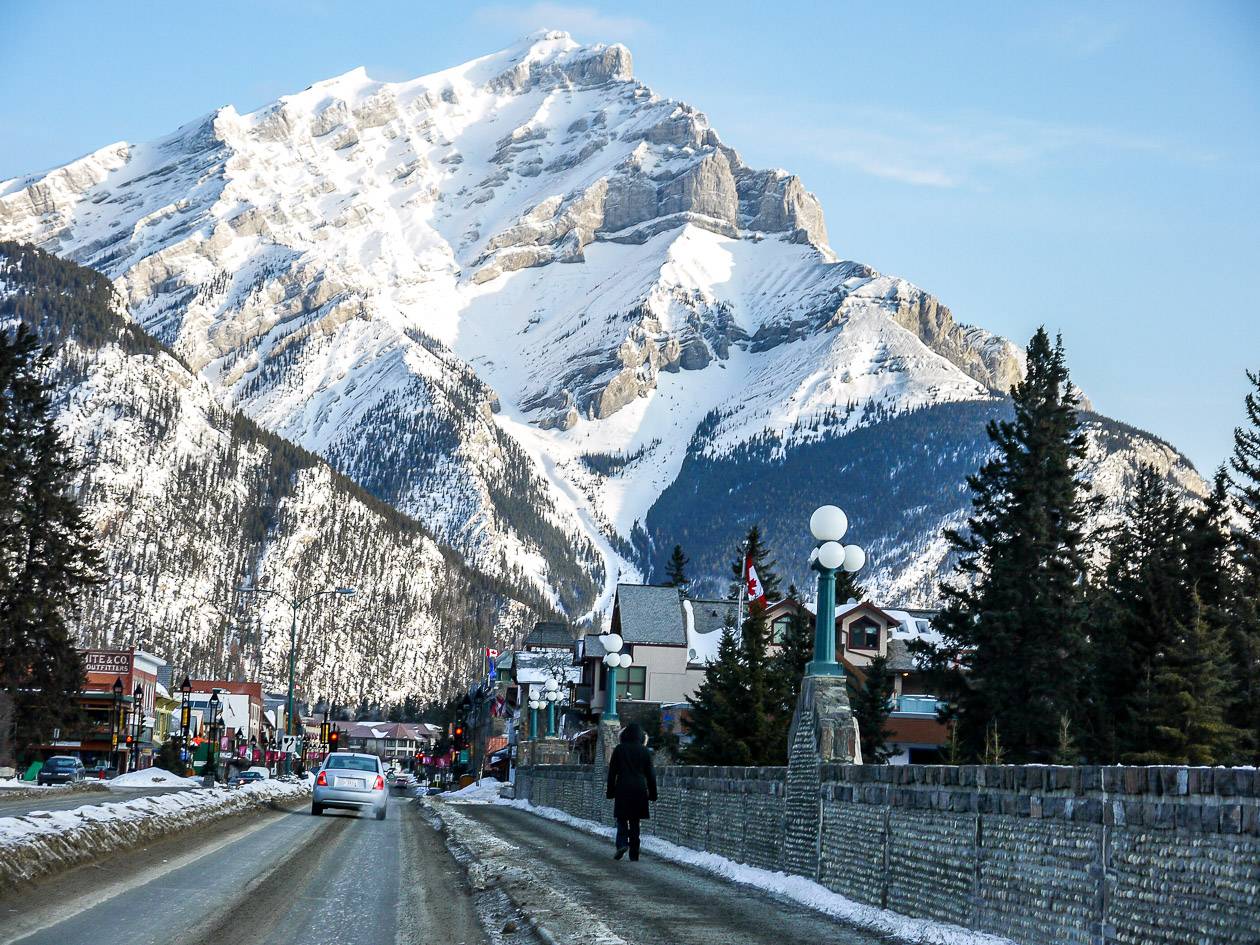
{"points": [[107, 661]]}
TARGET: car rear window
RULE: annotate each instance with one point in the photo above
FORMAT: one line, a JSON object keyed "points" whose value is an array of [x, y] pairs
{"points": [[60, 763], [352, 763]]}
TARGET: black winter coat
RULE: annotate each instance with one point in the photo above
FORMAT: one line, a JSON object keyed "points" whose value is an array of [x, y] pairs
{"points": [[631, 781]]}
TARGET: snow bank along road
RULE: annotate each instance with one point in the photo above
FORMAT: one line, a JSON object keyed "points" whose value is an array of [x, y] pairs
{"points": [[70, 800], [573, 888], [278, 877]]}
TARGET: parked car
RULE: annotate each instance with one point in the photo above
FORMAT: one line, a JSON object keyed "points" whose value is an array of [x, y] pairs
{"points": [[350, 781], [245, 777], [61, 769], [100, 772]]}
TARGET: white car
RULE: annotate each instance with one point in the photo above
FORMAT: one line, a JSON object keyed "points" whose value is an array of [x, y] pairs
{"points": [[350, 781]]}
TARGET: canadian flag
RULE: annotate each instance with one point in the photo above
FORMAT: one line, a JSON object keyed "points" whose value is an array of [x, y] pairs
{"points": [[756, 593]]}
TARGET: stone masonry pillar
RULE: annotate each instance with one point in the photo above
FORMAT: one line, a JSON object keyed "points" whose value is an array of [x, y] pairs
{"points": [[823, 732]]}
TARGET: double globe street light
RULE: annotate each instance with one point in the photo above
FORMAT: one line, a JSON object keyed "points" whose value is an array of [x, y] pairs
{"points": [[613, 659], [547, 699], [828, 525]]}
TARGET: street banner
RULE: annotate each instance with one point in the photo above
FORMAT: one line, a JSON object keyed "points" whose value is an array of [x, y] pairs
{"points": [[492, 656]]}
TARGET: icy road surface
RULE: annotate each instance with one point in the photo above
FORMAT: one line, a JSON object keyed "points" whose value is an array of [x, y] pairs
{"points": [[279, 877]]}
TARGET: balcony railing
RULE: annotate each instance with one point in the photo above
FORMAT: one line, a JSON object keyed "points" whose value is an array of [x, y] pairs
{"points": [[917, 705]]}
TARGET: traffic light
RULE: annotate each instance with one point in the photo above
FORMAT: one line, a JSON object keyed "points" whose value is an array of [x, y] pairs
{"points": [[334, 739], [325, 729]]}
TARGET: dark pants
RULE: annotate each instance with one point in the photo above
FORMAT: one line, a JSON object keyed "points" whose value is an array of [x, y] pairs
{"points": [[628, 835]]}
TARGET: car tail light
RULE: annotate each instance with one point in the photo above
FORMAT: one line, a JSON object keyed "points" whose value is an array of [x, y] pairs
{"points": [[380, 783], [322, 780]]}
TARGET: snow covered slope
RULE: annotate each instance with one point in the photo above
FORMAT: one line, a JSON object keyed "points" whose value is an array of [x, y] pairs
{"points": [[505, 297], [190, 501]]}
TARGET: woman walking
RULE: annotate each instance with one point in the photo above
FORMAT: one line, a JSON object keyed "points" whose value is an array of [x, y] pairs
{"points": [[631, 785]]}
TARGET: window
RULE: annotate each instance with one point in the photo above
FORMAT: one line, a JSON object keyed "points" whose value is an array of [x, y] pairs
{"points": [[864, 634], [632, 683], [779, 630]]}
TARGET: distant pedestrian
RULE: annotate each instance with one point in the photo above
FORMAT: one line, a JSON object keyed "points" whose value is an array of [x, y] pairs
{"points": [[631, 785]]}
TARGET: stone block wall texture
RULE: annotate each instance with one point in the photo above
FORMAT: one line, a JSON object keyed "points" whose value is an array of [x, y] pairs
{"points": [[1041, 855]]}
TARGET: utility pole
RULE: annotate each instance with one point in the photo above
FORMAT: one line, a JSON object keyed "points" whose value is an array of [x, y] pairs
{"points": [[295, 604]]}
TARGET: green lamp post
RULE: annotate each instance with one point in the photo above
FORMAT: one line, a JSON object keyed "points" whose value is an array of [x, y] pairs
{"points": [[613, 659], [828, 525]]}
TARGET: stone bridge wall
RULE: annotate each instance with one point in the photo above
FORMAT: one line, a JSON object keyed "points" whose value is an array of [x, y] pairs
{"points": [[1041, 855]]}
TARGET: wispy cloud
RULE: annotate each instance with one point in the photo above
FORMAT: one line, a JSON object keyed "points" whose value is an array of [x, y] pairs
{"points": [[585, 23], [964, 150], [1081, 34]]}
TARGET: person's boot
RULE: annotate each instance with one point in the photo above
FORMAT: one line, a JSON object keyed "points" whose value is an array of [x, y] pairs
{"points": [[634, 853], [621, 851]]}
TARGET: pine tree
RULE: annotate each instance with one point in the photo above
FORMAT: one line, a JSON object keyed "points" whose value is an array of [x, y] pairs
{"points": [[1139, 615], [676, 570], [1013, 615], [754, 547], [716, 721], [872, 704], [796, 649], [1188, 714], [46, 555], [1244, 601]]}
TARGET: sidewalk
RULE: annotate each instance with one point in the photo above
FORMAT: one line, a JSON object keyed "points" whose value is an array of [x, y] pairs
{"points": [[566, 880]]}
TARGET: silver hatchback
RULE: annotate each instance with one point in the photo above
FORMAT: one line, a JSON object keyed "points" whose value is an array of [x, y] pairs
{"points": [[351, 781]]}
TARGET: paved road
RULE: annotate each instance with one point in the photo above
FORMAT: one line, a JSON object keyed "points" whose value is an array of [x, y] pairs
{"points": [[69, 800], [657, 903], [283, 877]]}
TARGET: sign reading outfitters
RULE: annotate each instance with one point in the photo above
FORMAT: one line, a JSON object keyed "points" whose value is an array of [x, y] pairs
{"points": [[107, 661]]}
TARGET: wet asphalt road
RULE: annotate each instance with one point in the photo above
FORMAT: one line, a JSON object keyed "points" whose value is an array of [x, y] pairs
{"points": [[284, 877]]}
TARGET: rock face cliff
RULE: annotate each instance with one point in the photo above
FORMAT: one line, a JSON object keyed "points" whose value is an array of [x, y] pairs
{"points": [[189, 501], [510, 298]]}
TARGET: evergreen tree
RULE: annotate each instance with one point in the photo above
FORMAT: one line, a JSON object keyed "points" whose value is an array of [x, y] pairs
{"points": [[872, 704], [754, 547], [1187, 716], [1244, 603], [46, 555], [796, 649], [676, 570], [1013, 616], [716, 723], [1139, 615]]}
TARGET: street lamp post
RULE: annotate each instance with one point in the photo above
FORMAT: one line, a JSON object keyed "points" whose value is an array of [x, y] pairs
{"points": [[295, 605], [137, 719], [613, 658], [185, 720], [115, 723], [828, 525], [534, 705], [213, 725], [551, 692]]}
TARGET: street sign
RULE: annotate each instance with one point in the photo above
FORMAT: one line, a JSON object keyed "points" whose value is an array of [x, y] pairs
{"points": [[290, 743]]}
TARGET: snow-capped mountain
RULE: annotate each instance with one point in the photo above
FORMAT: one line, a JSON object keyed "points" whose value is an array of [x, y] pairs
{"points": [[529, 301], [189, 502]]}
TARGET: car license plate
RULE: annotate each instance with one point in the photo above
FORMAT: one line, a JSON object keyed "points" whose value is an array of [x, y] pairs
{"points": [[355, 783]]}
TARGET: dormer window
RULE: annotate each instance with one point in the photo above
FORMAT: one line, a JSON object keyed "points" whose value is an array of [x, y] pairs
{"points": [[864, 634]]}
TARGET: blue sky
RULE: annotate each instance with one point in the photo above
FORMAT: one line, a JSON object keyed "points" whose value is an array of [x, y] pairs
{"points": [[1092, 167]]}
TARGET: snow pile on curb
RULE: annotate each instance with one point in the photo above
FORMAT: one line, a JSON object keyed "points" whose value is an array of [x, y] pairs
{"points": [[45, 842], [487, 789], [795, 888], [150, 778], [12, 788]]}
